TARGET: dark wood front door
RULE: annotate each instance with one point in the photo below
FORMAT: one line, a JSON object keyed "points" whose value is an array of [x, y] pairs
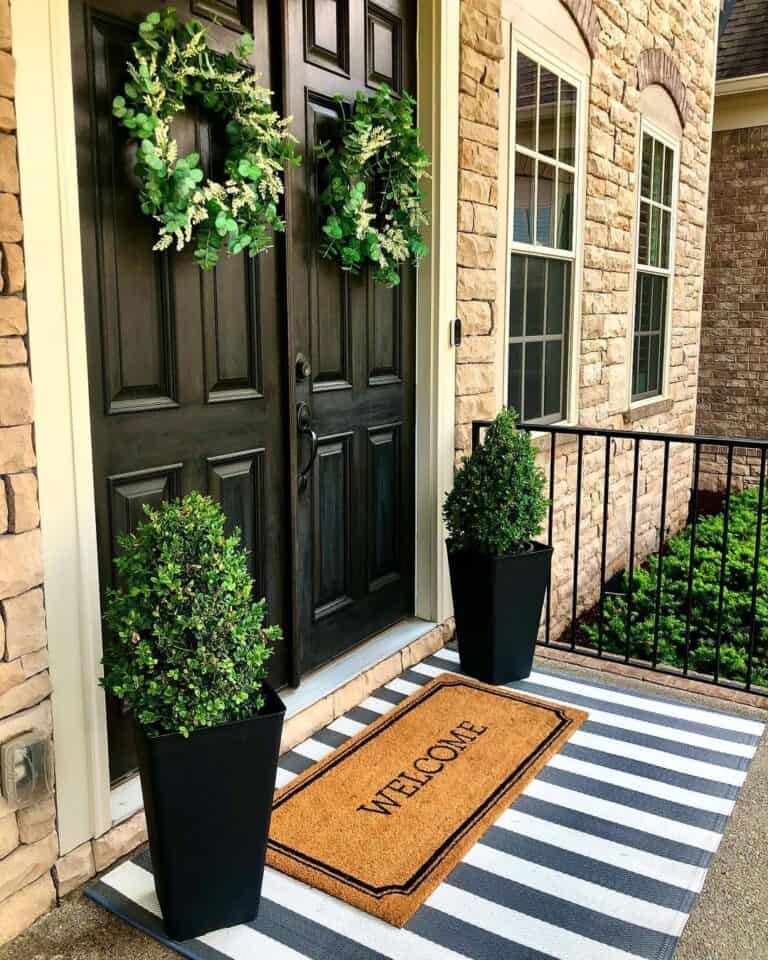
{"points": [[187, 369], [355, 517]]}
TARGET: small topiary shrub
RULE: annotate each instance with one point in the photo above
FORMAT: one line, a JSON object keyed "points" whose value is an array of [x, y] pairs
{"points": [[189, 645], [705, 598], [497, 504]]}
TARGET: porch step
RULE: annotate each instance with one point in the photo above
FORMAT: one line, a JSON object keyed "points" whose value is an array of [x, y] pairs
{"points": [[347, 681]]}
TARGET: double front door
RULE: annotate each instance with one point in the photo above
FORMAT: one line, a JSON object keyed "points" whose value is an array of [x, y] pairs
{"points": [[279, 385]]}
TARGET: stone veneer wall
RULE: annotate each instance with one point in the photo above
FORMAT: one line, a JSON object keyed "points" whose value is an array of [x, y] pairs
{"points": [[480, 284], [32, 874], [733, 380], [633, 43]]}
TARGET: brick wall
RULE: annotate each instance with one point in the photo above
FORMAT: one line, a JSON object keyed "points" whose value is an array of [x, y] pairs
{"points": [[633, 43], [733, 382]]}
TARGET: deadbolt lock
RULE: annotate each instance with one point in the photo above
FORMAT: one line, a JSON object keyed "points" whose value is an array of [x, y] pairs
{"points": [[303, 368]]}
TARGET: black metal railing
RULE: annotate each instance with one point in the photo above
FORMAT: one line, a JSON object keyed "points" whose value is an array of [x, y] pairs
{"points": [[587, 617]]}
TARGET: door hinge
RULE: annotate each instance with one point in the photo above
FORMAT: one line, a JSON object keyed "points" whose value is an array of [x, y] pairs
{"points": [[456, 332]]}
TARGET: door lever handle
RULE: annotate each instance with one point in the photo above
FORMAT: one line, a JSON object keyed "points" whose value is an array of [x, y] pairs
{"points": [[304, 424]]}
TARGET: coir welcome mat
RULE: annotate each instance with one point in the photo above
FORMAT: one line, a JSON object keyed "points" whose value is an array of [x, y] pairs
{"points": [[383, 819]]}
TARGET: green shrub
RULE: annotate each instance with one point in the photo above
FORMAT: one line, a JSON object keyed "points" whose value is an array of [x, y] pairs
{"points": [[705, 597], [497, 504], [189, 646]]}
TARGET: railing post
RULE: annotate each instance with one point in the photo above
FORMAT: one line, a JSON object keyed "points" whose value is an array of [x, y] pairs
{"points": [[756, 570], [692, 557], [660, 560], [576, 541], [632, 536], [723, 562]]}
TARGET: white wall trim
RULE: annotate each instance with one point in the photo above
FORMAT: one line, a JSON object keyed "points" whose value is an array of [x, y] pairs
{"points": [[438, 98], [48, 170], [535, 47], [740, 111], [647, 125], [47, 158], [750, 84]]}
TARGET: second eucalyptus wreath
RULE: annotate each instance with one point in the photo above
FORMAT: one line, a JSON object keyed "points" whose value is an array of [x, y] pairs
{"points": [[372, 202]]}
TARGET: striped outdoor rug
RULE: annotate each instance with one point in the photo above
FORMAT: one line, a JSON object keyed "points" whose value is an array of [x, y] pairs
{"points": [[601, 858]]}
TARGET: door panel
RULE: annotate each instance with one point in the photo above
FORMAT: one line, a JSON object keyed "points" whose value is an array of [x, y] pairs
{"points": [[187, 370], [355, 519]]}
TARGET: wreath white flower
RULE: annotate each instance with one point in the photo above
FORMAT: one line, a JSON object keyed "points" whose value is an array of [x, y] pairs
{"points": [[172, 64]]}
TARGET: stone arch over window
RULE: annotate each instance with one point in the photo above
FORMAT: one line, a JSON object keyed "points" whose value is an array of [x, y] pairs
{"points": [[657, 66], [584, 14]]}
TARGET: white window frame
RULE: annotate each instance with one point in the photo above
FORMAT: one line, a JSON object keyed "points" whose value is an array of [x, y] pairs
{"points": [[520, 43], [647, 126]]}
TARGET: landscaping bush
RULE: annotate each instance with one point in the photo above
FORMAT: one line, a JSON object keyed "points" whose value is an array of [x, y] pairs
{"points": [[497, 503], [705, 595], [189, 646]]}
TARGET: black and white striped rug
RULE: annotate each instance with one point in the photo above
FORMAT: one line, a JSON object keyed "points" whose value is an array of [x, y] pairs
{"points": [[601, 858]]}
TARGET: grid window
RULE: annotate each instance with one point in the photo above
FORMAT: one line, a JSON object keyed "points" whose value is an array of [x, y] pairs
{"points": [[544, 157], [654, 249], [542, 232], [539, 308]]}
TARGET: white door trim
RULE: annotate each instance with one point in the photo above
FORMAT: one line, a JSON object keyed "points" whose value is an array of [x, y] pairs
{"points": [[48, 170], [438, 98]]}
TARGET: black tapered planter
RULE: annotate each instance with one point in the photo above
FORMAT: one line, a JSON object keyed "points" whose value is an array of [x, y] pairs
{"points": [[497, 603], [208, 801]]}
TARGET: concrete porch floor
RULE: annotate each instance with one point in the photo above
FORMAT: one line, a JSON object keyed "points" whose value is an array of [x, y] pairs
{"points": [[730, 921]]}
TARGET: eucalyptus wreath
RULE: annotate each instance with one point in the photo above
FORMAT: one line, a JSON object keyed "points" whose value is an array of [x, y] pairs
{"points": [[372, 203], [172, 64]]}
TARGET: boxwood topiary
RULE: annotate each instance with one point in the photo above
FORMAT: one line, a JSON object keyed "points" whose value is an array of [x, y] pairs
{"points": [[497, 504], [189, 646]]}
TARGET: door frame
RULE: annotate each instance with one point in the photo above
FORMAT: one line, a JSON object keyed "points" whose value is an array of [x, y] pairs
{"points": [[47, 154]]}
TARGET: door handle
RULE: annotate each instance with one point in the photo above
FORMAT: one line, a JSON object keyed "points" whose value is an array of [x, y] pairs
{"points": [[304, 424]]}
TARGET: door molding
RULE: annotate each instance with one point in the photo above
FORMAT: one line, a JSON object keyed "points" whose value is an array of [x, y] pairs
{"points": [[438, 119], [46, 144], [47, 155]]}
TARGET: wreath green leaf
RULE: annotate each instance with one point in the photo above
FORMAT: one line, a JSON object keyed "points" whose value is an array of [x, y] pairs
{"points": [[372, 203], [172, 64]]}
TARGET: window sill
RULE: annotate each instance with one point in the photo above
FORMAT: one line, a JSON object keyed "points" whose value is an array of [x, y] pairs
{"points": [[648, 408]]}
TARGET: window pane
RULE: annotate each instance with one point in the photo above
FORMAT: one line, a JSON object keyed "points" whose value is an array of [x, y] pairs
{"points": [[669, 162], [645, 169], [643, 311], [534, 314], [635, 365], [515, 393], [565, 210], [553, 377], [659, 307], [641, 366], [644, 231], [658, 170], [666, 229], [525, 119], [567, 148], [545, 227], [533, 380], [547, 112], [650, 323], [654, 355], [555, 295], [540, 287], [655, 236], [516, 295], [524, 168]]}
